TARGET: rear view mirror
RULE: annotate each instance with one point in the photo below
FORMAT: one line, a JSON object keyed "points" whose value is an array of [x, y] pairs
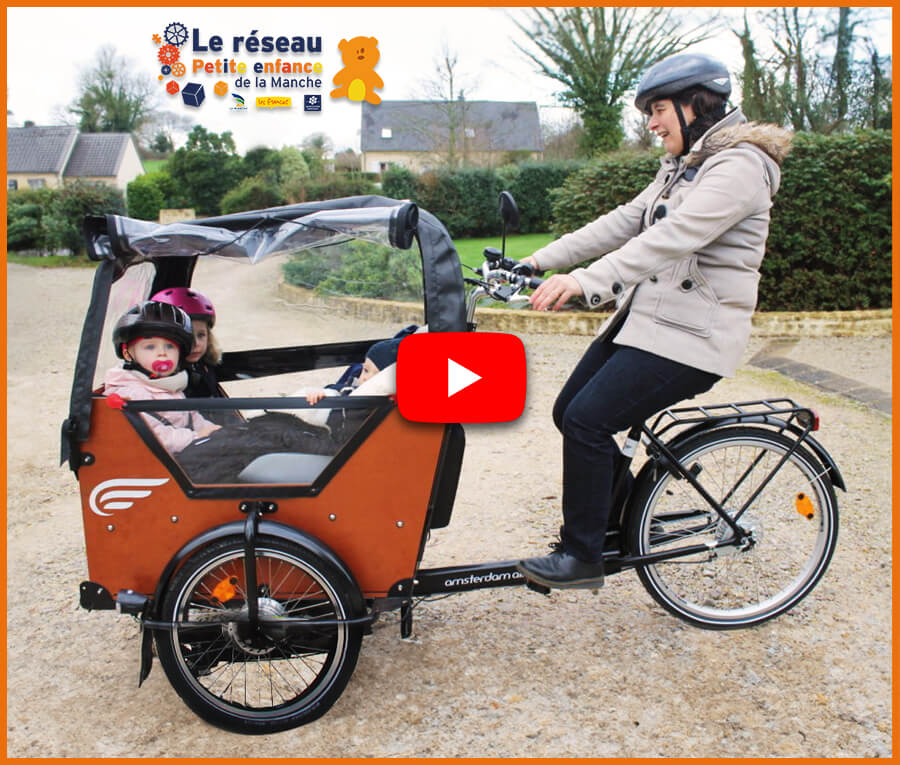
{"points": [[509, 211]]}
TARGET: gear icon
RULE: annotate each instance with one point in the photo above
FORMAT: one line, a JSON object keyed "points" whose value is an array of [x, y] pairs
{"points": [[178, 69], [176, 34], [157, 39], [168, 54], [166, 69]]}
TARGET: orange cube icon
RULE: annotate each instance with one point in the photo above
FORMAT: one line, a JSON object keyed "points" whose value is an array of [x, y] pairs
{"points": [[172, 87], [220, 88]]}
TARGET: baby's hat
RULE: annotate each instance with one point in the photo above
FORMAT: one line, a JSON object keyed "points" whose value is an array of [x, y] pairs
{"points": [[384, 352]]}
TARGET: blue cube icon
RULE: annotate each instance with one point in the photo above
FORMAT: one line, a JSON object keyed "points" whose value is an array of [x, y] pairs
{"points": [[193, 94]]}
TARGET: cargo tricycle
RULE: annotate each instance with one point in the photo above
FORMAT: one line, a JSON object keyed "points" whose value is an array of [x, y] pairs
{"points": [[255, 593]]}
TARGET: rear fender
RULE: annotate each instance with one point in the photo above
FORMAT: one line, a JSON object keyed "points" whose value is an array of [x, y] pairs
{"points": [[646, 473], [775, 422]]}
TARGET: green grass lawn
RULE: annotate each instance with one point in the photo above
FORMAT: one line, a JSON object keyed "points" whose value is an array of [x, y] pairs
{"points": [[52, 261], [152, 165], [518, 246]]}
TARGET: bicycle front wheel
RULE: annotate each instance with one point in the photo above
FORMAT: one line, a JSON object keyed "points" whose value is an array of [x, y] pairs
{"points": [[288, 668], [792, 517]]}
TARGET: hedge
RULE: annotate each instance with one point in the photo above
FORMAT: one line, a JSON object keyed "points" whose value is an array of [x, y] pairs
{"points": [[532, 186], [335, 186], [829, 245], [360, 268], [51, 219], [465, 200]]}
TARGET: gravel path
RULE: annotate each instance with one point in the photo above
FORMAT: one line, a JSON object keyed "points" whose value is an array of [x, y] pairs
{"points": [[496, 673]]}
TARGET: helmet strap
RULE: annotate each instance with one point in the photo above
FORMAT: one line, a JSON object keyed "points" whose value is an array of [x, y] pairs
{"points": [[685, 137], [134, 366]]}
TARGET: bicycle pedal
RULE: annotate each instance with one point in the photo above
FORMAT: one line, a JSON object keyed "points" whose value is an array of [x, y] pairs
{"points": [[537, 587]]}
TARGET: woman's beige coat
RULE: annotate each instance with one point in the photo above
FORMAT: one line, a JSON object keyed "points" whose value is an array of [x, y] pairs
{"points": [[682, 259]]}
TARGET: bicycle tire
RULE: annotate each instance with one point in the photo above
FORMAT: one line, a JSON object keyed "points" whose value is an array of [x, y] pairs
{"points": [[280, 678], [730, 588]]}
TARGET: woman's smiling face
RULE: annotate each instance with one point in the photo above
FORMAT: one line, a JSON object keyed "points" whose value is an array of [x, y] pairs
{"points": [[664, 122]]}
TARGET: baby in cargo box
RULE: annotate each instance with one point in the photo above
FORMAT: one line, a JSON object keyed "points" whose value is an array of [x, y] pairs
{"points": [[376, 376]]}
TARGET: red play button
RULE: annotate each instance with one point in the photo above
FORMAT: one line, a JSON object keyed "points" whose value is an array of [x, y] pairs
{"points": [[461, 377]]}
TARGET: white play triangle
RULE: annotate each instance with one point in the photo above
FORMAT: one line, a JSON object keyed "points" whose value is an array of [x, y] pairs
{"points": [[458, 377]]}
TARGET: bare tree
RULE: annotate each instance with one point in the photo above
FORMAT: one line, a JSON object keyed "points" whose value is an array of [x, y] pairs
{"points": [[819, 72], [446, 89], [563, 137], [163, 128]]}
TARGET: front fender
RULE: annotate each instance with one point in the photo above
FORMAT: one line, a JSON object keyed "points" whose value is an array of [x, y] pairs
{"points": [[236, 529]]}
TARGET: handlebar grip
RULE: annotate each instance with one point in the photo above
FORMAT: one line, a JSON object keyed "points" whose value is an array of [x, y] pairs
{"points": [[533, 282]]}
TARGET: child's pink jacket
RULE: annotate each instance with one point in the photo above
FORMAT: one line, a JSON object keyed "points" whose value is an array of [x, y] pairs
{"points": [[134, 386]]}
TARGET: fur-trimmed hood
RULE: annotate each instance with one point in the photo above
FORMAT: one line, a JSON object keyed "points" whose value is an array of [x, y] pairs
{"points": [[771, 141]]}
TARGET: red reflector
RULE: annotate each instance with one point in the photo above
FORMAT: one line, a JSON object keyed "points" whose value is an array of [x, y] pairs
{"points": [[115, 401]]}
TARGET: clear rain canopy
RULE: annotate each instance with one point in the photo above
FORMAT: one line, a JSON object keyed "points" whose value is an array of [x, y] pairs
{"points": [[289, 235]]}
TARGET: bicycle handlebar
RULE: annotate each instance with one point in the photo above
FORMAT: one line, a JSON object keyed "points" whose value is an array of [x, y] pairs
{"points": [[502, 279]]}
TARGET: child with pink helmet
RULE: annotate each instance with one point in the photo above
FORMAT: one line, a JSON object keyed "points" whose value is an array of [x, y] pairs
{"points": [[204, 354]]}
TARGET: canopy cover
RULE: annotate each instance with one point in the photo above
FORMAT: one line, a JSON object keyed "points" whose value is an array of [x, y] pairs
{"points": [[170, 252], [259, 234]]}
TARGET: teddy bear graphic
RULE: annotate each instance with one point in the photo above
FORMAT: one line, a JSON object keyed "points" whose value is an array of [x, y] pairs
{"points": [[357, 80]]}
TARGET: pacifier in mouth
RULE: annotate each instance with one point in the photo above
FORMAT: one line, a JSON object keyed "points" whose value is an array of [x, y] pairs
{"points": [[162, 366]]}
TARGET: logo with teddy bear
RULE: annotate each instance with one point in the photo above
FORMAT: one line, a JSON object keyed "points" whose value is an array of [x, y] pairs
{"points": [[180, 51], [358, 79]]}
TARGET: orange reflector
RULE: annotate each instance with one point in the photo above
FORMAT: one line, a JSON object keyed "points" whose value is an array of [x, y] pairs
{"points": [[224, 590], [804, 505]]}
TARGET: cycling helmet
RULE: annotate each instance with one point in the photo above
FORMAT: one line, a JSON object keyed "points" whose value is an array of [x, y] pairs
{"points": [[194, 304], [154, 319], [676, 73]]}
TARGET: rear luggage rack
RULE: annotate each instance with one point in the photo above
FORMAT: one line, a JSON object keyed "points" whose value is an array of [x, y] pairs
{"points": [[780, 411]]}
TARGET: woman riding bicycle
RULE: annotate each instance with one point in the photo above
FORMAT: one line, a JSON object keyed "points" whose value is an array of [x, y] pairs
{"points": [[682, 261]]}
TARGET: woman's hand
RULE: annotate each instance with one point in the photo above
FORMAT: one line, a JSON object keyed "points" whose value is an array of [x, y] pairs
{"points": [[554, 292], [315, 396]]}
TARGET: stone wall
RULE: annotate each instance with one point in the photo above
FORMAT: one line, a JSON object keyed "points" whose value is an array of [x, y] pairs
{"points": [[773, 324]]}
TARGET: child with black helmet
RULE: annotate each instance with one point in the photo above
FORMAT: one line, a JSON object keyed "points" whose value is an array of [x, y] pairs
{"points": [[153, 339]]}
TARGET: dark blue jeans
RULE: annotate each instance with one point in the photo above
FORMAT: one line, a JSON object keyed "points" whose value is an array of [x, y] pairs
{"points": [[613, 388]]}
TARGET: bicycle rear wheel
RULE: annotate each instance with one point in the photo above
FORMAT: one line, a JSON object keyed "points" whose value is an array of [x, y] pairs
{"points": [[793, 520]]}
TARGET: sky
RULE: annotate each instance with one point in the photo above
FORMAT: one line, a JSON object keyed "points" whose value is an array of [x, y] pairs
{"points": [[48, 48]]}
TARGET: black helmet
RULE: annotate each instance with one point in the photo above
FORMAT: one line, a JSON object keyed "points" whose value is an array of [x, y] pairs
{"points": [[676, 73], [152, 319]]}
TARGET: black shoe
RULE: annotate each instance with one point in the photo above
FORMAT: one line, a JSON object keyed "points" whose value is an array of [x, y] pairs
{"points": [[562, 570]]}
